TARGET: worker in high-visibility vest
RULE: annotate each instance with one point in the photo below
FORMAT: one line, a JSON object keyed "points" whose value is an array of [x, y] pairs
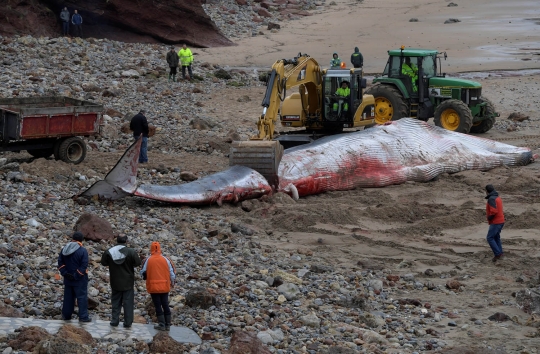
{"points": [[186, 59], [408, 68], [343, 93]]}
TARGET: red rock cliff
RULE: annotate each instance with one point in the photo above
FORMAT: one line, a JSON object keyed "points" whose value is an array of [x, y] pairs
{"points": [[168, 21]]}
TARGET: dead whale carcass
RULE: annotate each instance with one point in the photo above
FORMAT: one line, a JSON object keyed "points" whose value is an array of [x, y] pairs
{"points": [[404, 150], [232, 185]]}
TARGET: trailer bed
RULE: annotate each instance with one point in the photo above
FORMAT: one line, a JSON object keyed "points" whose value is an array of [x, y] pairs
{"points": [[48, 117]]}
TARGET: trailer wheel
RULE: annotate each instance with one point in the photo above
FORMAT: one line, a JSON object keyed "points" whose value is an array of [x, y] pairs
{"points": [[72, 150], [37, 153], [56, 148]]}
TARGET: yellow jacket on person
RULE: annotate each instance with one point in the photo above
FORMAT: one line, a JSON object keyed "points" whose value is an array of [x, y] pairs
{"points": [[343, 92], [186, 57]]}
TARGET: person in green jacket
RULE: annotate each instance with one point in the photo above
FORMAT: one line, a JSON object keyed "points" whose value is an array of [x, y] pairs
{"points": [[335, 61], [343, 92], [186, 58], [408, 68], [121, 261]]}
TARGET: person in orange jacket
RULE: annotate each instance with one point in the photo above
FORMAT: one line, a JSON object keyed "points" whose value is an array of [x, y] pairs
{"points": [[495, 218], [159, 273]]}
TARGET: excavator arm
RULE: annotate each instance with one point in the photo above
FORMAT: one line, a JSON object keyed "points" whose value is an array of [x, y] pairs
{"points": [[285, 74], [260, 152]]}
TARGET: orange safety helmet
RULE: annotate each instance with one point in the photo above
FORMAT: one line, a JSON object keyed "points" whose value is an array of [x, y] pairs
{"points": [[342, 65]]}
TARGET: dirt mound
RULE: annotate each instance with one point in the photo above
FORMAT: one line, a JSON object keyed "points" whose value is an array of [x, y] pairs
{"points": [[527, 220]]}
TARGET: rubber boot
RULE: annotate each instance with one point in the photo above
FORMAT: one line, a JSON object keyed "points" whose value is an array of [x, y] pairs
{"points": [[170, 76], [167, 322], [161, 323], [174, 78]]}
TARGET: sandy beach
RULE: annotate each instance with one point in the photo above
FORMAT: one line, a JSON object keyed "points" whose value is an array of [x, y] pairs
{"points": [[491, 35]]}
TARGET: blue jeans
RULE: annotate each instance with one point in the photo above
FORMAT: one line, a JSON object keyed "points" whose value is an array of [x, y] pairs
{"points": [[79, 292], [494, 238], [143, 155], [161, 303], [65, 28]]}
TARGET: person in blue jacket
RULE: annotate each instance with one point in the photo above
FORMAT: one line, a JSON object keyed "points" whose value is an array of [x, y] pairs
{"points": [[73, 264], [76, 21]]}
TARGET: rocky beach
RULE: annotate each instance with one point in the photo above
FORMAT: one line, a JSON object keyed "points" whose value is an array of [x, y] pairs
{"points": [[401, 269]]}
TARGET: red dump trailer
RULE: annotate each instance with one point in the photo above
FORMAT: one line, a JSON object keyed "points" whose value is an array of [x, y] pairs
{"points": [[45, 126]]}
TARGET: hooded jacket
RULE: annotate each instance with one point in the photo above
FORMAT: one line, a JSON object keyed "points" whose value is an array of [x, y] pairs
{"points": [[160, 271], [121, 261], [335, 61], [357, 59], [494, 208], [73, 259], [64, 15]]}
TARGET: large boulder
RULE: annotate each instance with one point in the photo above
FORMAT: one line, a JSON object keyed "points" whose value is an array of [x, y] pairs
{"points": [[163, 343], [28, 338], [172, 21], [9, 311], [69, 339], [247, 343], [200, 297], [529, 300], [94, 228]]}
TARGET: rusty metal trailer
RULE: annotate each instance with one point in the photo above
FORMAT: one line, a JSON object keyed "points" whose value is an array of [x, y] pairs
{"points": [[45, 126]]}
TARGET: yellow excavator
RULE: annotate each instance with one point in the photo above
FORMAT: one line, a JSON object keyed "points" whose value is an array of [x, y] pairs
{"points": [[327, 101]]}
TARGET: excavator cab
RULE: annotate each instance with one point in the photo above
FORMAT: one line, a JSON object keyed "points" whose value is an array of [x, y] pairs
{"points": [[342, 90]]}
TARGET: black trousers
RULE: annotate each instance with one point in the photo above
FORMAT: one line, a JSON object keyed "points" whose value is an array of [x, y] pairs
{"points": [[123, 299], [161, 302], [77, 31], [189, 70], [173, 70]]}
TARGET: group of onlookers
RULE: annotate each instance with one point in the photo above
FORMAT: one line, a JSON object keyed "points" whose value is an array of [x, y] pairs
{"points": [[76, 21], [158, 271]]}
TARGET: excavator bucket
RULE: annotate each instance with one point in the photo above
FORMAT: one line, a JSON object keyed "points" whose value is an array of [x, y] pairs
{"points": [[263, 156]]}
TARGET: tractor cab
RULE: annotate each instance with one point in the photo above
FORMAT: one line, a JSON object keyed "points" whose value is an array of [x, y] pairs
{"points": [[413, 68], [342, 95]]}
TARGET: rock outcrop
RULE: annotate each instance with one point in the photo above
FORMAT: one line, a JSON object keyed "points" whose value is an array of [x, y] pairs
{"points": [[171, 21]]}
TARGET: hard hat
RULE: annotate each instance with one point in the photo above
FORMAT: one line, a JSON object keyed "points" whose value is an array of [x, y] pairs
{"points": [[343, 64]]}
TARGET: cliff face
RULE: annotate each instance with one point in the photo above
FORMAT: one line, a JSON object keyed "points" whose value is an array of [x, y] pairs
{"points": [[167, 21]]}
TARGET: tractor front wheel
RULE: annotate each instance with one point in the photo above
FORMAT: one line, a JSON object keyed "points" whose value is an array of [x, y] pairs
{"points": [[487, 123], [389, 103], [454, 115]]}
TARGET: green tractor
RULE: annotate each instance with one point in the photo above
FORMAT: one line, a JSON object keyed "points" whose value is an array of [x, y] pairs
{"points": [[411, 87]]}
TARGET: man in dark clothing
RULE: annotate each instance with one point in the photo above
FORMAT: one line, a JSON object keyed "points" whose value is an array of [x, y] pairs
{"points": [[64, 16], [357, 60], [495, 218], [76, 21], [73, 264], [139, 125], [121, 261], [172, 60]]}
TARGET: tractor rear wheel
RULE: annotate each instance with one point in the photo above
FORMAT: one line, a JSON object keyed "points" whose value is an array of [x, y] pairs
{"points": [[72, 150], [37, 153], [485, 125], [389, 103], [453, 115]]}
